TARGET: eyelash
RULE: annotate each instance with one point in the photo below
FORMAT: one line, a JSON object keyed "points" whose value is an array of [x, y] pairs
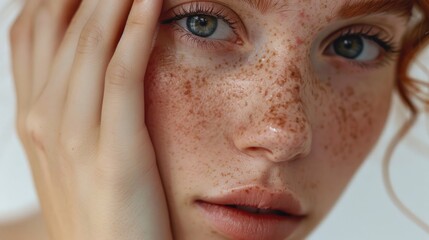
{"points": [[198, 8], [206, 8]]}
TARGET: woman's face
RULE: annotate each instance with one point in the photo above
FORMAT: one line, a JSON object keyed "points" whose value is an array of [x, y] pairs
{"points": [[260, 111]]}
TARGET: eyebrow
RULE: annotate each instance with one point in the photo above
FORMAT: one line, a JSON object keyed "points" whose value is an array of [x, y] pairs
{"points": [[265, 6], [402, 8]]}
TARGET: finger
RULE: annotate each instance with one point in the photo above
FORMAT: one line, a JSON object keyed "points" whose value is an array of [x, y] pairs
{"points": [[53, 96], [123, 135], [21, 37], [63, 9], [123, 102], [50, 25], [95, 48]]}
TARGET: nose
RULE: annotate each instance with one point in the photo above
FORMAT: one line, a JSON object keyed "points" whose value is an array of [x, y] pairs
{"points": [[276, 128], [275, 142]]}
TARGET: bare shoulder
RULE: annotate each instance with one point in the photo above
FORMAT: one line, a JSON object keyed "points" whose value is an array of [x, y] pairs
{"points": [[31, 227]]}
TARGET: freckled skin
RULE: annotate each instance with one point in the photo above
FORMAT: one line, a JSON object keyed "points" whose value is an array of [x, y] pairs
{"points": [[267, 115]]}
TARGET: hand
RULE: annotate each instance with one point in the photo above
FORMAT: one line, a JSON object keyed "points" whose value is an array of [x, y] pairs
{"points": [[79, 68]]}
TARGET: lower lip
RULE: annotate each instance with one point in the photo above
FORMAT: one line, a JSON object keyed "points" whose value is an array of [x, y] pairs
{"points": [[240, 225]]}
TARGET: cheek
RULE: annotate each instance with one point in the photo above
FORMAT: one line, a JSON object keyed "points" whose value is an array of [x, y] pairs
{"points": [[357, 122], [182, 103], [360, 114], [349, 123], [349, 114]]}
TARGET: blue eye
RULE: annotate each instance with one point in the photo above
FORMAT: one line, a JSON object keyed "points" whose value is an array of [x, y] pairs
{"points": [[358, 47], [207, 26], [202, 25], [350, 47]]}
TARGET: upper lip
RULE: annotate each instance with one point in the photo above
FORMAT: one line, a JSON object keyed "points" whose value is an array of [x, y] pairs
{"points": [[256, 196]]}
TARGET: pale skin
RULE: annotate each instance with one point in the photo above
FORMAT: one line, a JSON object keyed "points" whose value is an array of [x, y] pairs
{"points": [[124, 132]]}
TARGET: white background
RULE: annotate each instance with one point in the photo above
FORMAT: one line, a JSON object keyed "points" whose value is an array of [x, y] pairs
{"points": [[364, 211]]}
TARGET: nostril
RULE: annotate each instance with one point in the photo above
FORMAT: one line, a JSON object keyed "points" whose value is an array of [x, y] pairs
{"points": [[252, 149], [259, 149]]}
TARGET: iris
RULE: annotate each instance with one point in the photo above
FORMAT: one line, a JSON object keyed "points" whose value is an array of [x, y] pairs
{"points": [[202, 25], [350, 47]]}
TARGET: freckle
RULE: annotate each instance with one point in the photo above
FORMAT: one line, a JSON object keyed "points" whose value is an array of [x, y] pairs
{"points": [[281, 81], [343, 114], [370, 122], [299, 41], [328, 18], [350, 91], [266, 93], [188, 88]]}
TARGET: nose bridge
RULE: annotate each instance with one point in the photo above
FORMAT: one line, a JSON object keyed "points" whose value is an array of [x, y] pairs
{"points": [[277, 127], [282, 98]]}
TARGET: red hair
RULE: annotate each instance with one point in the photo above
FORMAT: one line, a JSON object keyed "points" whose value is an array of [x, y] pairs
{"points": [[412, 93]]}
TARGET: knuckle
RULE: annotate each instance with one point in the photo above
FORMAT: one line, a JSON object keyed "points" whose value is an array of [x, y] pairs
{"points": [[36, 130], [19, 30], [118, 74], [90, 37]]}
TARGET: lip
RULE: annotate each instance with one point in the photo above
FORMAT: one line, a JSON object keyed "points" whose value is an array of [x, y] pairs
{"points": [[282, 213]]}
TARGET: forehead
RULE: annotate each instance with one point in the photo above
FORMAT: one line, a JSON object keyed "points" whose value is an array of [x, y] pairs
{"points": [[343, 8]]}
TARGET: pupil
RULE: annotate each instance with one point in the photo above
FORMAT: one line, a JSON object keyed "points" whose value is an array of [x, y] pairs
{"points": [[203, 22], [202, 25], [349, 46]]}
